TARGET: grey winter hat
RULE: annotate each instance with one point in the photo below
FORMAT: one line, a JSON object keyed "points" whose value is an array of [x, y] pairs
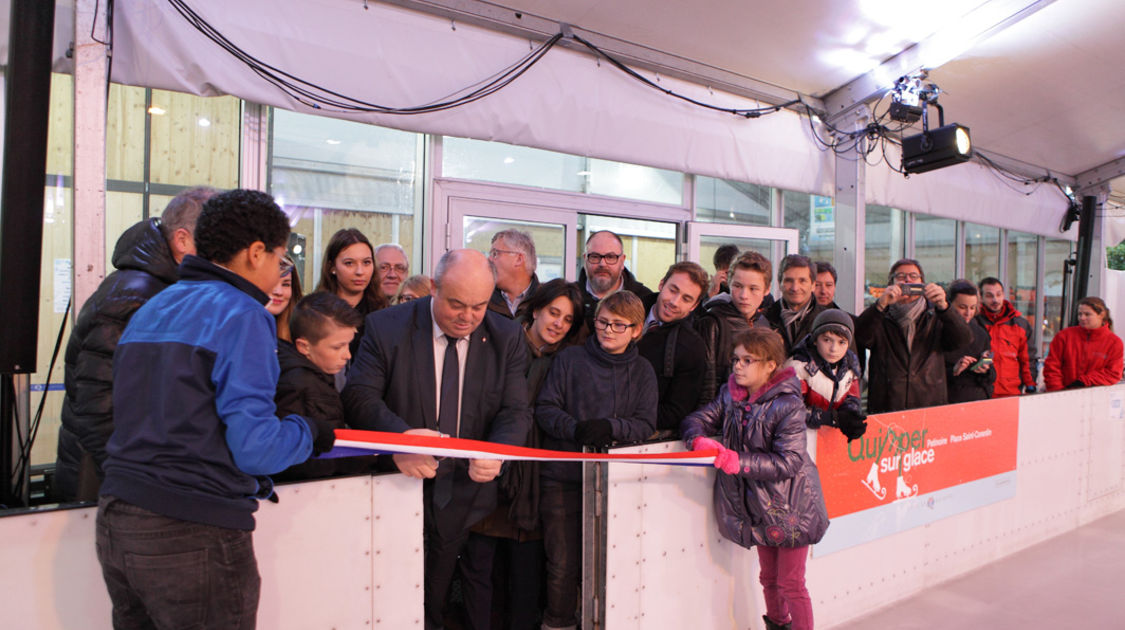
{"points": [[836, 321]]}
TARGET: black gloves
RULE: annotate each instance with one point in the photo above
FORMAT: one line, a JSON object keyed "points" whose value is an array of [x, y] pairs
{"points": [[1076, 385], [853, 424], [1030, 389], [597, 433], [324, 435]]}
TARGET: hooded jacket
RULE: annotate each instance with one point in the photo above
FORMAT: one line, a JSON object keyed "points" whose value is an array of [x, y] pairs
{"points": [[679, 359], [1013, 356], [718, 326], [588, 383], [775, 499], [902, 378], [144, 267], [194, 380], [825, 389], [1093, 357], [969, 385]]}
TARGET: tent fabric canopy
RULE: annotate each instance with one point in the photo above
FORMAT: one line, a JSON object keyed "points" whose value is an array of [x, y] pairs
{"points": [[568, 102]]}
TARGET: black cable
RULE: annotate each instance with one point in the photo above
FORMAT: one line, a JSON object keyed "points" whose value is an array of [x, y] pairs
{"points": [[319, 97], [745, 113]]}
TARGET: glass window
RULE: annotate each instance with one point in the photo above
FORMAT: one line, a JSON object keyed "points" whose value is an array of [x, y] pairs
{"points": [[935, 245], [982, 252], [509, 164], [330, 174], [815, 220], [1023, 263], [725, 201], [884, 243], [1058, 251], [653, 242]]}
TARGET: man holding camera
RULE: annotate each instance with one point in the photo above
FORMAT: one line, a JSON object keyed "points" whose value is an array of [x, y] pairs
{"points": [[908, 331]]}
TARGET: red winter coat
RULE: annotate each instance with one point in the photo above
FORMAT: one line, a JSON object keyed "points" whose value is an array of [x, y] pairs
{"points": [[1093, 357], [1011, 334]]}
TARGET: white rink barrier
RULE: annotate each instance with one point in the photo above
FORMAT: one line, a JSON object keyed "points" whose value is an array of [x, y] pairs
{"points": [[347, 553], [338, 553], [668, 568]]}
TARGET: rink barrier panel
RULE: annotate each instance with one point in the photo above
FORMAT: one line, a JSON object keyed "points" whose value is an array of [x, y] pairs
{"points": [[347, 553]]}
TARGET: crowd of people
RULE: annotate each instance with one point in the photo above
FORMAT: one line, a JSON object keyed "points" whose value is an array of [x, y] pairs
{"points": [[184, 397]]}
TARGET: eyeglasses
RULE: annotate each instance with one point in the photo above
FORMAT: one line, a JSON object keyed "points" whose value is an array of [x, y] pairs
{"points": [[387, 267], [286, 266], [908, 277], [494, 253], [743, 361], [404, 298], [610, 259], [617, 327]]}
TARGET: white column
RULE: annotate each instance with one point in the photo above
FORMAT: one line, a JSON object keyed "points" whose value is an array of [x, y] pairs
{"points": [[90, 81]]}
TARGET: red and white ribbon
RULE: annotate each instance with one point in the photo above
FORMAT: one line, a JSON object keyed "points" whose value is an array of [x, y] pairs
{"points": [[356, 442]]}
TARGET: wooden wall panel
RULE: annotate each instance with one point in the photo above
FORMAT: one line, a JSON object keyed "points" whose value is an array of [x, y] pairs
{"points": [[125, 135], [188, 154], [60, 129]]}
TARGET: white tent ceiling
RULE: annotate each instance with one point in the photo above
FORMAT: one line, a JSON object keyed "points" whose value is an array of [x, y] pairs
{"points": [[1047, 90]]}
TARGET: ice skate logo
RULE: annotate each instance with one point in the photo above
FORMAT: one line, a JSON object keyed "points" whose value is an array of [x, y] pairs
{"points": [[872, 483], [903, 491]]}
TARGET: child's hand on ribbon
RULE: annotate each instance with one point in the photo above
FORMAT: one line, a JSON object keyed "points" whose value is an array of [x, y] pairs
{"points": [[726, 460]]}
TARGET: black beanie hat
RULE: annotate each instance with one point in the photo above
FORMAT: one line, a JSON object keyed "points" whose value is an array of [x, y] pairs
{"points": [[835, 321]]}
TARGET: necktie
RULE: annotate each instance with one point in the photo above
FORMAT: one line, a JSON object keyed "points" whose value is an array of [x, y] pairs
{"points": [[652, 323], [447, 418]]}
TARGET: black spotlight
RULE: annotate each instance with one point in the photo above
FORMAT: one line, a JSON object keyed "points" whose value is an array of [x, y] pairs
{"points": [[936, 148]]}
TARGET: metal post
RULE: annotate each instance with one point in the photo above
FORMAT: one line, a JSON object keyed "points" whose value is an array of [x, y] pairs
{"points": [[851, 218], [255, 147], [91, 76], [1085, 252], [595, 478]]}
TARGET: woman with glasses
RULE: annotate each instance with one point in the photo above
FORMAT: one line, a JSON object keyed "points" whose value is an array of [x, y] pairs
{"points": [[595, 394], [412, 288], [767, 490], [284, 296]]}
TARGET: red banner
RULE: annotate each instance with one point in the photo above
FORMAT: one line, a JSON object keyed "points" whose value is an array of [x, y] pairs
{"points": [[915, 452]]}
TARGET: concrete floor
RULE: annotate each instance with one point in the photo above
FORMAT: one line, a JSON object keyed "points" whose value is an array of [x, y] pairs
{"points": [[1075, 581]]}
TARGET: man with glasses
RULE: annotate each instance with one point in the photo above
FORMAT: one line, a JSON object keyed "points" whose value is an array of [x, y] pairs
{"points": [[513, 256], [603, 272], [392, 267], [908, 330]]}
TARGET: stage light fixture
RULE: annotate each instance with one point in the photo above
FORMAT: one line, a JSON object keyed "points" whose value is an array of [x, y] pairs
{"points": [[936, 148]]}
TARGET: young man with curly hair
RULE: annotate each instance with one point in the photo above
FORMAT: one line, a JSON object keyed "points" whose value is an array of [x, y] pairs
{"points": [[195, 431]]}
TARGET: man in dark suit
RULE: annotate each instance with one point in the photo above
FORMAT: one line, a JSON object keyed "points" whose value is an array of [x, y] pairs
{"points": [[444, 366]]}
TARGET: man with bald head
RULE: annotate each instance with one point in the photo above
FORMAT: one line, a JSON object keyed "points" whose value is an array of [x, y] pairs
{"points": [[444, 365]]}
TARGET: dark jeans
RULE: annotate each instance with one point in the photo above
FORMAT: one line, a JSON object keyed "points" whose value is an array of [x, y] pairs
{"points": [[502, 574], [560, 510], [165, 573]]}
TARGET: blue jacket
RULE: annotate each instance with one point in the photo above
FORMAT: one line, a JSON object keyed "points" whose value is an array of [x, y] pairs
{"points": [[193, 403], [775, 500]]}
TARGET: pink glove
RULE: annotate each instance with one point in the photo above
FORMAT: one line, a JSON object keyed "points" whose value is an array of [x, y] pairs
{"points": [[726, 461]]}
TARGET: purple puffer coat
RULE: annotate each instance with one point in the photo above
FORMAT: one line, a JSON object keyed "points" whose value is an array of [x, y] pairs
{"points": [[775, 500]]}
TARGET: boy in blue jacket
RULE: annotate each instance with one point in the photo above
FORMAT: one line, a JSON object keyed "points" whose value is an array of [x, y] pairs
{"points": [[196, 433]]}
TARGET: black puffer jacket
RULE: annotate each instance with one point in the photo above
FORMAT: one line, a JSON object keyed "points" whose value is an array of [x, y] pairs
{"points": [[679, 359], [588, 383], [145, 267], [305, 390], [901, 378], [718, 326], [775, 499]]}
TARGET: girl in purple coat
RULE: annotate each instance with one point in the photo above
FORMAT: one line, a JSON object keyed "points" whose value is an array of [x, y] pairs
{"points": [[767, 493]]}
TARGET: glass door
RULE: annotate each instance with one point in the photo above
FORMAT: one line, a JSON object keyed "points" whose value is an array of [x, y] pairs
{"points": [[773, 243], [474, 215]]}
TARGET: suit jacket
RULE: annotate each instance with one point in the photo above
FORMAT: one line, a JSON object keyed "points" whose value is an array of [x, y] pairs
{"points": [[391, 387]]}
